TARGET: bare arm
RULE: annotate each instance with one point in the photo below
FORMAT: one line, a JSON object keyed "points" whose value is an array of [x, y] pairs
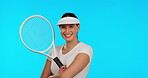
{"points": [[79, 63], [46, 71]]}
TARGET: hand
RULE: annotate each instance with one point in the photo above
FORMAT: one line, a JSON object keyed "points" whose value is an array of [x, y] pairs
{"points": [[62, 69]]}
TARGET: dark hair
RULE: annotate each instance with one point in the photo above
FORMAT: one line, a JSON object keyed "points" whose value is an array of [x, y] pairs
{"points": [[69, 15]]}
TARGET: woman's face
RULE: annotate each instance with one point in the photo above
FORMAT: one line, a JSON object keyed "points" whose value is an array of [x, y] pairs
{"points": [[69, 31]]}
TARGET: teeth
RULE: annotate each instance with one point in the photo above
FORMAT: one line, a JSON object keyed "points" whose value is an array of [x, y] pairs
{"points": [[68, 35]]}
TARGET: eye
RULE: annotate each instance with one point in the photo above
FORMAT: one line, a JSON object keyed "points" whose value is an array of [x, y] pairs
{"points": [[71, 26], [62, 26]]}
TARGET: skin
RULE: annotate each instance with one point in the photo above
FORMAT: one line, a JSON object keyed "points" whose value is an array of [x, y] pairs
{"points": [[69, 33]]}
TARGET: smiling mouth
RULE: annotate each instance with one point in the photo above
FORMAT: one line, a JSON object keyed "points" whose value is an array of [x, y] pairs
{"points": [[68, 35]]}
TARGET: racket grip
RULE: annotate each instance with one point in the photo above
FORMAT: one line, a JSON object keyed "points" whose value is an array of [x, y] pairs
{"points": [[58, 62]]}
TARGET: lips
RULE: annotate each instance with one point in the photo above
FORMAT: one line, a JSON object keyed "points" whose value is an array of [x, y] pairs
{"points": [[67, 35]]}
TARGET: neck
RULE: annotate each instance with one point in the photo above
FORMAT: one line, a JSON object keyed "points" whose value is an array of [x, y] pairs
{"points": [[70, 45]]}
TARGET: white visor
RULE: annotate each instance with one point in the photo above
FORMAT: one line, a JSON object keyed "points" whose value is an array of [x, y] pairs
{"points": [[68, 20]]}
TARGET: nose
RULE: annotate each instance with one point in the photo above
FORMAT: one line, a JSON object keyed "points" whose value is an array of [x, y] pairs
{"points": [[67, 30]]}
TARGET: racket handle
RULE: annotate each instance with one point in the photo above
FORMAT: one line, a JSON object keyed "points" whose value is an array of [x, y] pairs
{"points": [[58, 62]]}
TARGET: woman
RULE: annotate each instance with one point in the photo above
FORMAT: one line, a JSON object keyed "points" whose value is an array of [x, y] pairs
{"points": [[75, 55]]}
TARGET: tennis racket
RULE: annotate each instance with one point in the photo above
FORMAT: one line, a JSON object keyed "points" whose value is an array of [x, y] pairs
{"points": [[37, 35]]}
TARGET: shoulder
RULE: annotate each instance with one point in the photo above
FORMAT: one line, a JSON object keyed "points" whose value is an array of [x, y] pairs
{"points": [[58, 47], [84, 48]]}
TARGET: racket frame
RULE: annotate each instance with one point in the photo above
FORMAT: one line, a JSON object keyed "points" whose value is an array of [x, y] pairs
{"points": [[55, 58]]}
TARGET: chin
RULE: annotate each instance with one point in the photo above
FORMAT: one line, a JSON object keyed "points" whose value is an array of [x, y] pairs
{"points": [[68, 40]]}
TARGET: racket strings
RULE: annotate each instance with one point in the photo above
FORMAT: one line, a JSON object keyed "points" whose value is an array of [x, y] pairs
{"points": [[31, 30], [37, 34], [41, 35], [44, 35]]}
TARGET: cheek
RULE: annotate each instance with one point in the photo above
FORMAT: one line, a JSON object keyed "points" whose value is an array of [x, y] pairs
{"points": [[75, 30], [61, 31]]}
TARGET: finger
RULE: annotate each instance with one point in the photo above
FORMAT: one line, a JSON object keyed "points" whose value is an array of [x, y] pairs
{"points": [[63, 67]]}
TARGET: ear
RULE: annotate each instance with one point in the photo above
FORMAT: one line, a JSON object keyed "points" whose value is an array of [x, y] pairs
{"points": [[78, 27]]}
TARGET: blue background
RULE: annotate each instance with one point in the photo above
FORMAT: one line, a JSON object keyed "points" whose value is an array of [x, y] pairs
{"points": [[116, 29]]}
